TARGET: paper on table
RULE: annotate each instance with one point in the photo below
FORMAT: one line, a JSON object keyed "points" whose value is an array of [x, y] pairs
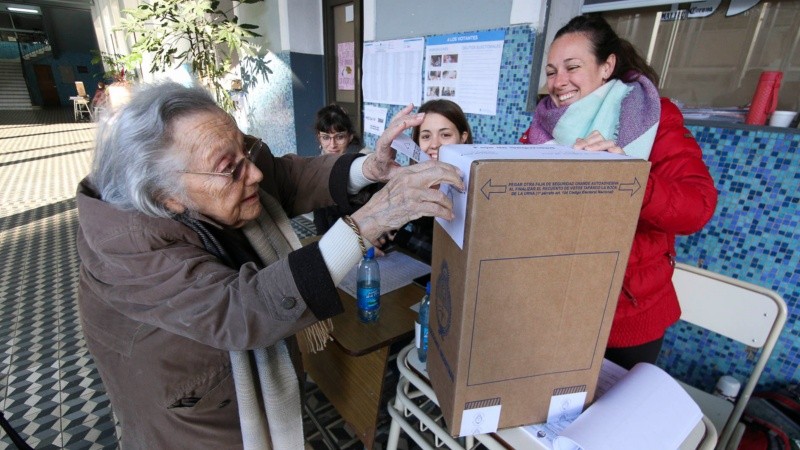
{"points": [[397, 270], [646, 409]]}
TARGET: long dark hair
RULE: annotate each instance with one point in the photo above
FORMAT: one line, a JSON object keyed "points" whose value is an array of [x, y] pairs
{"points": [[451, 111], [333, 118], [606, 42]]}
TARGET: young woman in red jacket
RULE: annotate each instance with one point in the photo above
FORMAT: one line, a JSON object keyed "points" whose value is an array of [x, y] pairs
{"points": [[603, 97]]}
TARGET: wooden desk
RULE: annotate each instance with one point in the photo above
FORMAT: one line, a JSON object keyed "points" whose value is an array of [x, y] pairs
{"points": [[350, 371]]}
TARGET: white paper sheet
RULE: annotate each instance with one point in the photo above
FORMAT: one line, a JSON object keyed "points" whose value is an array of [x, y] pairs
{"points": [[391, 71], [397, 270], [406, 146], [646, 409], [480, 420], [375, 119]]}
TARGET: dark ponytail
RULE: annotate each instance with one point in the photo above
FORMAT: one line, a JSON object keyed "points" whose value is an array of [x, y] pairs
{"points": [[605, 42]]}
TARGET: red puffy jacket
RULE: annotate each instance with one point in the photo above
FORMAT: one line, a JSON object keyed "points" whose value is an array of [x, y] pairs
{"points": [[680, 198]]}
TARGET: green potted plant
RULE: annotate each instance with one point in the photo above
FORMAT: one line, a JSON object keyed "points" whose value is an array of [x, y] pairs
{"points": [[116, 68], [192, 32], [119, 73]]}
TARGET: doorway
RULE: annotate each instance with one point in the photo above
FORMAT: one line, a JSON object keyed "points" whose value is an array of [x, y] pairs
{"points": [[343, 39], [46, 84]]}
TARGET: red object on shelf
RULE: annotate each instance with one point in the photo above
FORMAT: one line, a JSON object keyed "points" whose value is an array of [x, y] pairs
{"points": [[765, 99]]}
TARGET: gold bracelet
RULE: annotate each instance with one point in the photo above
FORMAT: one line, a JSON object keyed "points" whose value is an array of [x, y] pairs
{"points": [[352, 224]]}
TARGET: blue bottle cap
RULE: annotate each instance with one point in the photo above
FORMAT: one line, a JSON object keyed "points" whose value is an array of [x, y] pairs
{"points": [[428, 288], [370, 253]]}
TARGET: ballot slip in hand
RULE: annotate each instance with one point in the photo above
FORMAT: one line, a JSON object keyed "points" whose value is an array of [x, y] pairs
{"points": [[405, 145]]}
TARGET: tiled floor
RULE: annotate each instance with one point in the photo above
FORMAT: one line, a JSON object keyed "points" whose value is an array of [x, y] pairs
{"points": [[49, 388]]}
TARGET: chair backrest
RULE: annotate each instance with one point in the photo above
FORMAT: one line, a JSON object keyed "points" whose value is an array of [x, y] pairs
{"points": [[80, 88], [735, 309]]}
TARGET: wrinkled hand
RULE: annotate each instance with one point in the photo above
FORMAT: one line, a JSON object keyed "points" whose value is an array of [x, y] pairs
{"points": [[380, 166], [595, 142], [407, 196], [382, 241]]}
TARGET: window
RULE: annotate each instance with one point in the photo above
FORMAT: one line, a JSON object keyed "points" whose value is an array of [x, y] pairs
{"points": [[717, 60]]}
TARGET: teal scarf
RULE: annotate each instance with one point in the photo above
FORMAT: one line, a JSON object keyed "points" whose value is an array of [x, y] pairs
{"points": [[626, 113]]}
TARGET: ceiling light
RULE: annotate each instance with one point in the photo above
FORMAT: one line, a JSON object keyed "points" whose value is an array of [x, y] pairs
{"points": [[23, 10]]}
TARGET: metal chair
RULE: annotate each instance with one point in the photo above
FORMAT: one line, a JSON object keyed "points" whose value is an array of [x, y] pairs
{"points": [[413, 393], [80, 103], [738, 310]]}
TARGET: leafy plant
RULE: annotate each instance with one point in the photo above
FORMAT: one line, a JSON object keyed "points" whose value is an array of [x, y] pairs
{"points": [[193, 32], [116, 66]]}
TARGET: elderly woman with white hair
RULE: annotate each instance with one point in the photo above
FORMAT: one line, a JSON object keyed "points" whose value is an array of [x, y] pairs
{"points": [[193, 282]]}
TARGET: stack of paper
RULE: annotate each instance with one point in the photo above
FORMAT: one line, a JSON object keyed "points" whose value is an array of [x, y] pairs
{"points": [[646, 408]]}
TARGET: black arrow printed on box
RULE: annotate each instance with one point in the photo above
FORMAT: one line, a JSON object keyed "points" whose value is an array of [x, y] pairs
{"points": [[488, 189]]}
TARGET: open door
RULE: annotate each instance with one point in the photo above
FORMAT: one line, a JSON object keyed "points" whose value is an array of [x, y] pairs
{"points": [[46, 84], [343, 39]]}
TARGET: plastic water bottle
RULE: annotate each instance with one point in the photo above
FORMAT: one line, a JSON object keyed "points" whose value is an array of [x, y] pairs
{"points": [[728, 388], [368, 284], [421, 326]]}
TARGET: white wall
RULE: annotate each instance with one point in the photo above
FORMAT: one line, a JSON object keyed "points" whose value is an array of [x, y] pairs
{"points": [[391, 19], [305, 27], [286, 25]]}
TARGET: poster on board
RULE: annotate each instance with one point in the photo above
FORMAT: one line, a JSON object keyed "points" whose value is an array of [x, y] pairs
{"points": [[391, 71], [465, 68], [345, 57]]}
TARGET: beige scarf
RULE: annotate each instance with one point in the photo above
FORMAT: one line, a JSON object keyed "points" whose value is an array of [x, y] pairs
{"points": [[279, 424]]}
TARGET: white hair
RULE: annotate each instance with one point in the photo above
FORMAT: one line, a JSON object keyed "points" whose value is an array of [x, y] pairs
{"points": [[133, 168]]}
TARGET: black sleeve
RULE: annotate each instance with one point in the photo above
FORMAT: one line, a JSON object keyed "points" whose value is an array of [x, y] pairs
{"points": [[340, 176], [313, 280]]}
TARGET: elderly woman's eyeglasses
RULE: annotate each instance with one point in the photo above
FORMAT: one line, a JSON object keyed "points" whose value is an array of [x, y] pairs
{"points": [[340, 138], [235, 174]]}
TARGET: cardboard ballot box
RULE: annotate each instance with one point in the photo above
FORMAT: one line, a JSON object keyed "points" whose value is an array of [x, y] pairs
{"points": [[525, 280]]}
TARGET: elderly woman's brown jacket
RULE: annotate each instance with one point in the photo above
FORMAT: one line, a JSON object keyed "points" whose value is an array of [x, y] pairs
{"points": [[160, 313]]}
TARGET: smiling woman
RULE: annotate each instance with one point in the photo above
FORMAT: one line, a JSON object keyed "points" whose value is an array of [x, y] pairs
{"points": [[193, 283], [602, 96]]}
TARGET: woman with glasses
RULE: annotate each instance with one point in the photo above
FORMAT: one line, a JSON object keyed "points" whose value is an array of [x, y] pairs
{"points": [[336, 135], [193, 283], [335, 131]]}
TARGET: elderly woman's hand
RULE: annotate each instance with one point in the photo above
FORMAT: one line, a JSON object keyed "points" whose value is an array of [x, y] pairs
{"points": [[595, 142], [380, 165], [409, 195]]}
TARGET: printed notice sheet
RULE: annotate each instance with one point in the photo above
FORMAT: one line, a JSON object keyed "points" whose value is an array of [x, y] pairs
{"points": [[374, 119], [391, 71], [465, 68]]}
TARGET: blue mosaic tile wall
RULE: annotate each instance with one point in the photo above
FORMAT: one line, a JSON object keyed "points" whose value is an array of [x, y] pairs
{"points": [[511, 119], [752, 237]]}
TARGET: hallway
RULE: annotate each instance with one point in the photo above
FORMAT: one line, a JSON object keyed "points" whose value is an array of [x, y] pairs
{"points": [[51, 392]]}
